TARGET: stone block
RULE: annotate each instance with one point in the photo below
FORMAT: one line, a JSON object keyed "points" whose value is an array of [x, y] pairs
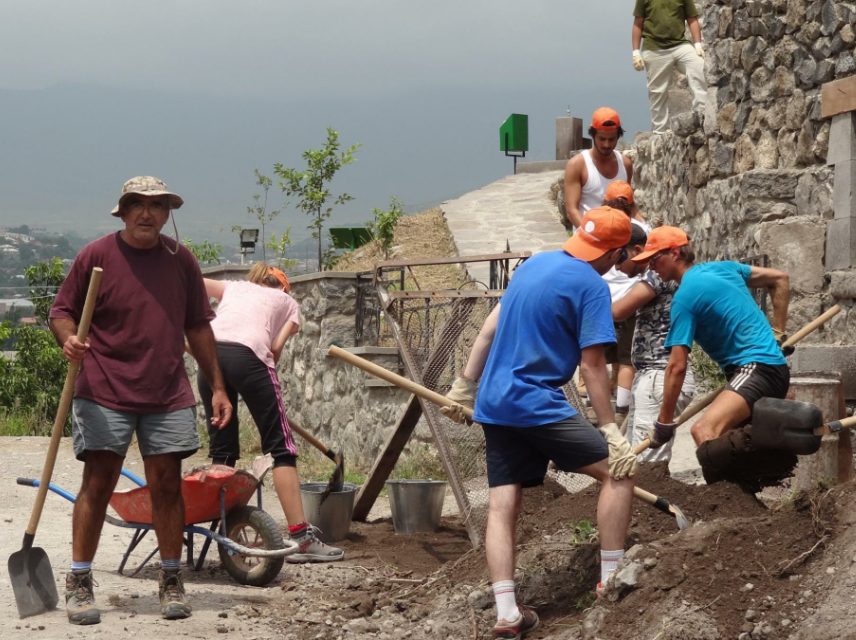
{"points": [[796, 246], [842, 285], [765, 183], [842, 139], [827, 357], [841, 244], [844, 188]]}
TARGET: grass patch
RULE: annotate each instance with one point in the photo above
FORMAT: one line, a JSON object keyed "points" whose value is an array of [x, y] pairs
{"points": [[707, 373], [420, 463], [25, 422], [584, 532]]}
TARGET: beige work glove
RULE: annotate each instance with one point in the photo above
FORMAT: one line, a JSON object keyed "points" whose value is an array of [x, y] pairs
{"points": [[622, 460], [463, 394], [638, 63], [699, 49]]}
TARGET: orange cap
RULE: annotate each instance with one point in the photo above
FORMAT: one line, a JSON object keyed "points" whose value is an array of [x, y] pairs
{"points": [[660, 239], [605, 119], [602, 229], [280, 275], [619, 189]]}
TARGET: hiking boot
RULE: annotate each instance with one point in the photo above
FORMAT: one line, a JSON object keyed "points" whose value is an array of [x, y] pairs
{"points": [[171, 592], [80, 598], [516, 629], [311, 549]]}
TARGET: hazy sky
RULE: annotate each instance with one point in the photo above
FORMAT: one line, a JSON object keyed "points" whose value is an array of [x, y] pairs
{"points": [[202, 92]]}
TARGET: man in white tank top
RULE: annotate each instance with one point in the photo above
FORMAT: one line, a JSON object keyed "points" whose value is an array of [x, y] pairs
{"points": [[589, 172]]}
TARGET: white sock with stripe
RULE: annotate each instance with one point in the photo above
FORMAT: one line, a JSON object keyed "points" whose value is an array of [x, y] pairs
{"points": [[506, 603]]}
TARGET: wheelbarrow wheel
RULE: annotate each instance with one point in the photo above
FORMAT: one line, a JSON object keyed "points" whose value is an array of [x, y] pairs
{"points": [[252, 527]]}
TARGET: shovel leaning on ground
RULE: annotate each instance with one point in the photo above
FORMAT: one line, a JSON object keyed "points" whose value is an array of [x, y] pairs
{"points": [[30, 568], [657, 502], [701, 404], [337, 480]]}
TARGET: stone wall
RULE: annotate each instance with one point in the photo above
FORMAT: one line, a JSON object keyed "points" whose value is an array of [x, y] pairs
{"points": [[753, 177], [342, 406]]}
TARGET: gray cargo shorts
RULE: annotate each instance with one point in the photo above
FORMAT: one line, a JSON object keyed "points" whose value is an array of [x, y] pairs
{"points": [[94, 427]]}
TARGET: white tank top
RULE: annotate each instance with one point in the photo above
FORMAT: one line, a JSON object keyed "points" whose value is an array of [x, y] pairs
{"points": [[595, 186]]}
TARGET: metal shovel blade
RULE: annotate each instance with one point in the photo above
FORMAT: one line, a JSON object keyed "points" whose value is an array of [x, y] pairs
{"points": [[32, 581]]}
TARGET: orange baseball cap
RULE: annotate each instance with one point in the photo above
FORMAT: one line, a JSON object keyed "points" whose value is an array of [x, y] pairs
{"points": [[605, 119], [619, 189], [283, 279], [602, 229], [660, 239]]}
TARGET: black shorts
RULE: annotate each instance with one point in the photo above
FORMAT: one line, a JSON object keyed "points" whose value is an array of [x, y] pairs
{"points": [[755, 380], [258, 385], [619, 352], [519, 455]]}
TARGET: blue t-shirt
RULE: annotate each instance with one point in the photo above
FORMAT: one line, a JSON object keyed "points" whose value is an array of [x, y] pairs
{"points": [[555, 306], [714, 307]]}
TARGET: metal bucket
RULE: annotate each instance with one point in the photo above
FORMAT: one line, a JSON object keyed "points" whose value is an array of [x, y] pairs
{"points": [[416, 504], [333, 517]]}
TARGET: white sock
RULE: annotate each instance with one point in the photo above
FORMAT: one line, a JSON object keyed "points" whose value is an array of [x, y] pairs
{"points": [[609, 563], [506, 604], [622, 398]]}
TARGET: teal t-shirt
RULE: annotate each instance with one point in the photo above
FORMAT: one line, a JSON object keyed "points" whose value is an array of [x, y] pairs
{"points": [[714, 307], [665, 22], [555, 306]]}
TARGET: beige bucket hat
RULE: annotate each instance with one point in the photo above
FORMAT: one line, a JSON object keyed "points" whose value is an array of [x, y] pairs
{"points": [[147, 186]]}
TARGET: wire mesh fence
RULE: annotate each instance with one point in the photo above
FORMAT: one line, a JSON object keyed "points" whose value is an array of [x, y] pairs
{"points": [[435, 331]]}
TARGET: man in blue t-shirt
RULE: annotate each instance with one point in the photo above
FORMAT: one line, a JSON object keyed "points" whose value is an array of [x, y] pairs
{"points": [[714, 307], [555, 315]]}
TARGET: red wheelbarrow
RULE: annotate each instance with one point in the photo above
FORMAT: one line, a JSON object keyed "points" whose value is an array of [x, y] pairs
{"points": [[249, 541]]}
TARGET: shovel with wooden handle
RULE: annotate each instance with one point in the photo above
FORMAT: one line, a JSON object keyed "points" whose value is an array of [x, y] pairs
{"points": [[658, 502], [337, 480], [30, 569], [701, 403]]}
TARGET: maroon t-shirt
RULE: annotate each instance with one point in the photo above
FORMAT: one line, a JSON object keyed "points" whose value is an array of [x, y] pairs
{"points": [[147, 299]]}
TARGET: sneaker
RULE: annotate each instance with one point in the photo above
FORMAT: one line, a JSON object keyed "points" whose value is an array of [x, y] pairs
{"points": [[171, 592], [516, 629], [311, 549], [80, 598]]}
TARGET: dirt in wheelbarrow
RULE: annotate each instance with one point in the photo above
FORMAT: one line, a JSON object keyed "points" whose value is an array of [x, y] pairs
{"points": [[784, 570]]}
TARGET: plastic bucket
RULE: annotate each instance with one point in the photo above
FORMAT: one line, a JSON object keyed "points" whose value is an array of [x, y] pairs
{"points": [[333, 517], [416, 504]]}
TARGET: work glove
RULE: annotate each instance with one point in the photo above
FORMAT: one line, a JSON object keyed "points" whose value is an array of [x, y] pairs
{"points": [[781, 338], [699, 49], [638, 63], [622, 460], [661, 433], [463, 394]]}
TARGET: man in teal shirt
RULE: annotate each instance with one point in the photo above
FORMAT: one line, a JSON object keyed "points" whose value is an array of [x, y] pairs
{"points": [[661, 24], [714, 307]]}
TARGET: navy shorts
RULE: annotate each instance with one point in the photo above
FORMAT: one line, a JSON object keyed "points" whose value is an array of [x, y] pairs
{"points": [[755, 380], [519, 455]]}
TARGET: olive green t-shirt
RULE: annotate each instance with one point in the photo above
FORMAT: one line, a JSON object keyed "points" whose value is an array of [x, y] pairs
{"points": [[665, 22]]}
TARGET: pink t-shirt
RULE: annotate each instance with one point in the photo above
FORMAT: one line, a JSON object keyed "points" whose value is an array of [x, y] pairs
{"points": [[253, 315], [147, 299]]}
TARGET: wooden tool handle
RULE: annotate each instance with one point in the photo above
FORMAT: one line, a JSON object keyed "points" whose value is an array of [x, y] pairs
{"points": [[315, 442], [400, 381], [64, 404], [835, 426], [812, 326]]}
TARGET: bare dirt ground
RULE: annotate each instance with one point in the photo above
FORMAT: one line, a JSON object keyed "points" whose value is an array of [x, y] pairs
{"points": [[744, 570]]}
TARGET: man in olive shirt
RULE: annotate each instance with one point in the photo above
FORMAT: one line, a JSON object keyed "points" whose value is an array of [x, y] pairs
{"points": [[661, 24]]}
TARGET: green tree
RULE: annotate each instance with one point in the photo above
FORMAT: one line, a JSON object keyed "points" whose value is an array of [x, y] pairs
{"points": [[383, 227], [205, 252], [259, 208], [44, 279], [279, 246], [311, 186]]}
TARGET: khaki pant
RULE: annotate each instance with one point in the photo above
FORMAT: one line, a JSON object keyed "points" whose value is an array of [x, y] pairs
{"points": [[659, 66], [647, 396]]}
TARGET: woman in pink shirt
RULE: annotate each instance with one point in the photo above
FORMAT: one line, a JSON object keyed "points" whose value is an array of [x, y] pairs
{"points": [[254, 320]]}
